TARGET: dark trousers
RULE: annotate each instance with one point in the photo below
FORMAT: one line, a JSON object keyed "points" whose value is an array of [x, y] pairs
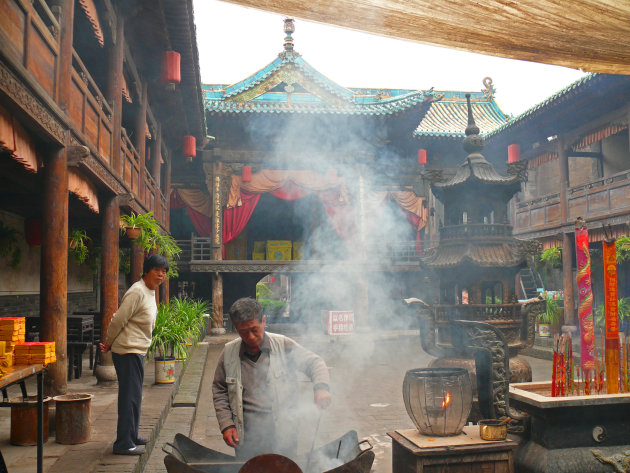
{"points": [[130, 373]]}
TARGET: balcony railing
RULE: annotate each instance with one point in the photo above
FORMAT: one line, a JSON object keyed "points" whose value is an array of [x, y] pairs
{"points": [[198, 249], [474, 230], [602, 197]]}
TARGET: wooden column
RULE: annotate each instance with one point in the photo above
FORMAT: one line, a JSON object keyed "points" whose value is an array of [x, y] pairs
{"points": [[114, 89], [54, 268], [217, 247], [563, 162], [156, 156], [140, 138], [137, 260], [567, 279], [65, 52], [109, 278]]}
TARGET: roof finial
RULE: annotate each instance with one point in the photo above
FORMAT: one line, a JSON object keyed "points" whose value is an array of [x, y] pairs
{"points": [[289, 29], [473, 142]]}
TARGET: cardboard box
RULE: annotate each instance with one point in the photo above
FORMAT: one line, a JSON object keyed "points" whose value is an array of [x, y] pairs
{"points": [[298, 250], [338, 322], [279, 250]]}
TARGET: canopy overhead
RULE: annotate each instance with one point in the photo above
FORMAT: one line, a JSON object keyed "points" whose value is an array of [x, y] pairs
{"points": [[591, 35]]}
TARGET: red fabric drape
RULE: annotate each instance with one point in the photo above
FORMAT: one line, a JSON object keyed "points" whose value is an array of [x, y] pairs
{"points": [[202, 224], [290, 191], [235, 219], [414, 221], [341, 215]]}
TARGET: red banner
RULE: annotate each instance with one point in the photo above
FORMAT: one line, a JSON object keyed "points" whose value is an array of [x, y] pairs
{"points": [[585, 297], [612, 317]]}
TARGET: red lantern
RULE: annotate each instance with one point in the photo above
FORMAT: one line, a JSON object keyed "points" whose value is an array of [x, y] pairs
{"points": [[514, 153], [33, 231], [189, 145], [246, 173], [171, 71], [422, 156]]}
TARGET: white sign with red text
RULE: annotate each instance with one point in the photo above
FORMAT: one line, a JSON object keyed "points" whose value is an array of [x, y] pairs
{"points": [[338, 322]]}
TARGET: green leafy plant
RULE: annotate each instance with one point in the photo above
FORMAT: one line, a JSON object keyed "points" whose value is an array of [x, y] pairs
{"points": [[9, 245], [77, 245], [623, 248], [179, 324], [551, 315], [552, 256]]}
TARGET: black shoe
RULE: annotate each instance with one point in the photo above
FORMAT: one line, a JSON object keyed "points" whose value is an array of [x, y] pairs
{"points": [[137, 450], [142, 441]]}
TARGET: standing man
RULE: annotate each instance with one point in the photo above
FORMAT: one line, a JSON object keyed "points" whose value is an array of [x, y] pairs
{"points": [[128, 337], [255, 386]]}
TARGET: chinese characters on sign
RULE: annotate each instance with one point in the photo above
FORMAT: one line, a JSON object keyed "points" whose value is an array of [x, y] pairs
{"points": [[338, 322], [216, 204]]}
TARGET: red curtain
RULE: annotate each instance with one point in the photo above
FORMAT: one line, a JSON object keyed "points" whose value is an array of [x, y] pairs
{"points": [[414, 221], [341, 215], [202, 224], [290, 191], [235, 219]]}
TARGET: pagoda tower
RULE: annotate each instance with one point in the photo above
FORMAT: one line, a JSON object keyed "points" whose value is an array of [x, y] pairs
{"points": [[477, 259]]}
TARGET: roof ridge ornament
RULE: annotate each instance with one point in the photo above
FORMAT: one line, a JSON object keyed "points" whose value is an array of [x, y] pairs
{"points": [[289, 29], [474, 142], [489, 90]]}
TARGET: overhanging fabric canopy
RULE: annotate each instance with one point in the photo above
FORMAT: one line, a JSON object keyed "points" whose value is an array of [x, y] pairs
{"points": [[592, 35]]}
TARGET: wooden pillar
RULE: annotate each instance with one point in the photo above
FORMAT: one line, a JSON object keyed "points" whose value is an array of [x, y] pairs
{"points": [[114, 89], [164, 291], [567, 279], [217, 247], [137, 260], [54, 268], [109, 279], [140, 139], [167, 192], [563, 162], [156, 157], [65, 52]]}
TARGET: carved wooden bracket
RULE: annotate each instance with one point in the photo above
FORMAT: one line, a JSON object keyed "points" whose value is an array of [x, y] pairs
{"points": [[77, 154], [126, 200]]}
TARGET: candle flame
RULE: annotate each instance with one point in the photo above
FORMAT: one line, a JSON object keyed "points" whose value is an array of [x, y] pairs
{"points": [[447, 400]]}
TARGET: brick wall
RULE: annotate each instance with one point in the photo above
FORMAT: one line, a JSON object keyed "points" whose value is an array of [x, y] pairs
{"points": [[26, 305]]}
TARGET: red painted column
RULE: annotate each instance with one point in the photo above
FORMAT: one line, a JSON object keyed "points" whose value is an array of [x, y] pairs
{"points": [[137, 260], [109, 279], [114, 90], [54, 269]]}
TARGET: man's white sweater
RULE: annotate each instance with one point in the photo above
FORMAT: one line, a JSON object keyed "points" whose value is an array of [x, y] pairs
{"points": [[132, 325]]}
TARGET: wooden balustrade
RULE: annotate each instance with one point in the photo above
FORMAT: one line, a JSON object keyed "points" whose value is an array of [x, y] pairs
{"points": [[478, 312], [472, 230], [599, 198]]}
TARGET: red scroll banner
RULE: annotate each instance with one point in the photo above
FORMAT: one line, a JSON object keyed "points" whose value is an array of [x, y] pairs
{"points": [[609, 254], [585, 297]]}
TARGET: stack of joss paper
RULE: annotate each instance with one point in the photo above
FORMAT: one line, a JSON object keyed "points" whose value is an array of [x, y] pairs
{"points": [[12, 331], [41, 353]]}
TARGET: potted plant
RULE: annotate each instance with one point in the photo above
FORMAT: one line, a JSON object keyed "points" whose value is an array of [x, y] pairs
{"points": [[9, 245], [139, 225], [77, 245], [551, 316]]}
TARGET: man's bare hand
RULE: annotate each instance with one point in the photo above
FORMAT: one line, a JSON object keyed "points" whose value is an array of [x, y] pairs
{"points": [[323, 398], [104, 347], [230, 437]]}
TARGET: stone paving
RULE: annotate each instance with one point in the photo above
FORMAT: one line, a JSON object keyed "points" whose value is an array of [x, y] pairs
{"points": [[367, 371]]}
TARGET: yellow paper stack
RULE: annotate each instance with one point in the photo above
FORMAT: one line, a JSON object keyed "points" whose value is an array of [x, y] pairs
{"points": [[27, 353], [6, 357], [12, 331]]}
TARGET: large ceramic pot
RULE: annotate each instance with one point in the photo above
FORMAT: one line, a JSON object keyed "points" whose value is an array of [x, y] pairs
{"points": [[438, 400]]}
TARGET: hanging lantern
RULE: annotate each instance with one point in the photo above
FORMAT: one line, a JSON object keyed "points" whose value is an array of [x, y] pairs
{"points": [[189, 145], [422, 156], [246, 173], [514, 153], [171, 71], [33, 231]]}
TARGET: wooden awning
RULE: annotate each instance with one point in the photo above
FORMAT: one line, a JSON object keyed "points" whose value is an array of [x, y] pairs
{"points": [[15, 141], [92, 15], [592, 35], [83, 189]]}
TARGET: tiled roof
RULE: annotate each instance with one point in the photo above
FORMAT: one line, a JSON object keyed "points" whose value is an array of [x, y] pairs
{"points": [[478, 169], [448, 116], [572, 89], [492, 255], [266, 92]]}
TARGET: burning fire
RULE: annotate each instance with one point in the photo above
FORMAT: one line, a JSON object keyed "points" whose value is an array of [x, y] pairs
{"points": [[447, 400]]}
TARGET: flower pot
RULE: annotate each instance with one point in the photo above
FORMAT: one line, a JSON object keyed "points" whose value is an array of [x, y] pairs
{"points": [[544, 330], [133, 232], [165, 370], [72, 244]]}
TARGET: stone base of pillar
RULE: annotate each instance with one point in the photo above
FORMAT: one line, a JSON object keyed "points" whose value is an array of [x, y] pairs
{"points": [[105, 374], [218, 331], [572, 329]]}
